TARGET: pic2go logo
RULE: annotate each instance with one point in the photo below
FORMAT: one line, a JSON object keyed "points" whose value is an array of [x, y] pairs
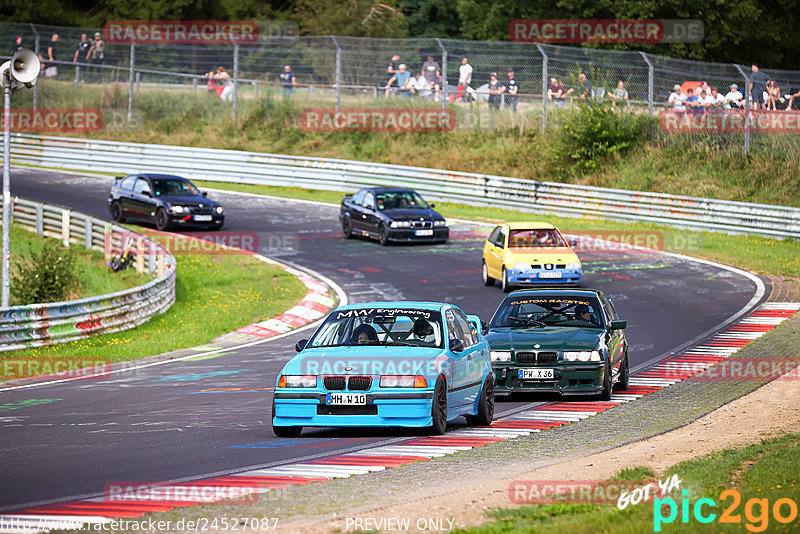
{"points": [[756, 511]]}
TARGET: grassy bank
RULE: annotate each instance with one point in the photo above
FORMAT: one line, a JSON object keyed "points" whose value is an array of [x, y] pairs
{"points": [[753, 253], [95, 278], [499, 143], [765, 472], [213, 295]]}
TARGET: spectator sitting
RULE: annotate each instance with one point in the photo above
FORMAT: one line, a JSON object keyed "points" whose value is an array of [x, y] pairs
{"points": [[677, 99], [773, 95], [693, 102], [705, 99], [791, 100], [620, 94], [584, 89], [555, 92], [432, 73], [735, 97], [403, 79], [718, 101], [420, 86]]}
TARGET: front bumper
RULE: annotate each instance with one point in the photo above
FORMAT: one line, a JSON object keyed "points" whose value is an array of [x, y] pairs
{"points": [[532, 277], [569, 378], [408, 235], [404, 408]]}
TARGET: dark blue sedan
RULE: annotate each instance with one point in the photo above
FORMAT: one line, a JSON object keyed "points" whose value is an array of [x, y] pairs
{"points": [[164, 200]]}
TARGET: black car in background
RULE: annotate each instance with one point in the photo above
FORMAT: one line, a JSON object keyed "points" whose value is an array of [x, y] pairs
{"points": [[392, 215], [164, 200]]}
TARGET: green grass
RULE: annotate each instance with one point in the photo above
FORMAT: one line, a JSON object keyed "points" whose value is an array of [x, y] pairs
{"points": [[213, 295], [753, 253], [96, 278], [766, 470]]}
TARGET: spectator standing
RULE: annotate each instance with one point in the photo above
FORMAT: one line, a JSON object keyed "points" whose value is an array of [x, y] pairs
{"points": [[391, 70], [97, 53], [584, 89], [677, 99], [403, 80], [619, 95], [495, 90], [82, 53], [555, 92], [50, 68], [758, 84], [735, 97], [17, 45], [512, 88], [432, 72], [289, 80], [464, 79]]}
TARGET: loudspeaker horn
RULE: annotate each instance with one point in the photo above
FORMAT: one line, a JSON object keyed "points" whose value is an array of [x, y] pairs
{"points": [[25, 67]]}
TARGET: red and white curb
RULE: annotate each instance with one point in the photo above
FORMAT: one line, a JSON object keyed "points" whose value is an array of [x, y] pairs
{"points": [[551, 415]]}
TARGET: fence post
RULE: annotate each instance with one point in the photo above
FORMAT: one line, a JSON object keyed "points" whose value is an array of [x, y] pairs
{"points": [[544, 87], [746, 108], [77, 73], [131, 81], [65, 227], [36, 51], [108, 244], [444, 77], [649, 92], [235, 79], [338, 73], [194, 85], [138, 81]]}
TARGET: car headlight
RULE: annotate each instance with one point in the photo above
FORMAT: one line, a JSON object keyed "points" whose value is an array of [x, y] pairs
{"points": [[522, 266], [500, 355], [400, 224], [440, 224], [297, 381], [582, 356], [177, 209], [219, 210], [573, 266], [403, 381]]}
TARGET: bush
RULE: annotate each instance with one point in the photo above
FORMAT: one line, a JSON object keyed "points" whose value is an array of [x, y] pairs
{"points": [[590, 133], [47, 274]]}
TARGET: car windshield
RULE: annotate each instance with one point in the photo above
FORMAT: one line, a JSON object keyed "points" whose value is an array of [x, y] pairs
{"points": [[390, 200], [535, 239], [380, 326], [542, 311], [174, 187]]}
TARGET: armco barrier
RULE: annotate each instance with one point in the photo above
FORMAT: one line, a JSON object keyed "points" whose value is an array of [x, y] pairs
{"points": [[35, 325], [467, 188]]}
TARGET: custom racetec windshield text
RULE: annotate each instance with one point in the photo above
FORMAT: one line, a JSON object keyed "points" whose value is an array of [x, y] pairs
{"points": [[542, 311], [380, 326]]}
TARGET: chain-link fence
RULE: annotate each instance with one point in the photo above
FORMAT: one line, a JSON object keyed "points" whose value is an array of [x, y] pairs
{"points": [[131, 83]]}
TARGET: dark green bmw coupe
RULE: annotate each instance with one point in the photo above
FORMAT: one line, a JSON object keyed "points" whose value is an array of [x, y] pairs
{"points": [[558, 341]]}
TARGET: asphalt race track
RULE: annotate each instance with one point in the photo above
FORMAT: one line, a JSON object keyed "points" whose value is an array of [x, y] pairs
{"points": [[176, 421]]}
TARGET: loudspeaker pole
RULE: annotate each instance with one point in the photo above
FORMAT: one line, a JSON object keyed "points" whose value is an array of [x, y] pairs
{"points": [[5, 296]]}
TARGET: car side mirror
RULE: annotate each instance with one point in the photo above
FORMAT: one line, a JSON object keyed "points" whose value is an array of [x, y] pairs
{"points": [[300, 345], [432, 205], [204, 193], [484, 328], [147, 193], [619, 324], [456, 345], [573, 243]]}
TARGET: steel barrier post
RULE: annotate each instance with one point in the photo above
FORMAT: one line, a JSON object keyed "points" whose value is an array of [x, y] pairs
{"points": [[39, 219], [544, 86], [747, 108], [338, 73], [87, 232]]}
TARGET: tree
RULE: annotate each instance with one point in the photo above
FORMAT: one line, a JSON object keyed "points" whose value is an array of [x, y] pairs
{"points": [[358, 18]]}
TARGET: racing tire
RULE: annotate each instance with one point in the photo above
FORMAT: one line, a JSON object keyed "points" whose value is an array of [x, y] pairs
{"points": [[624, 374], [116, 212], [485, 413], [162, 220], [383, 235], [439, 409], [347, 227], [504, 282], [287, 431], [487, 280], [608, 386]]}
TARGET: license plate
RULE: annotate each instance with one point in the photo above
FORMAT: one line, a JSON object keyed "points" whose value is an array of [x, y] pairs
{"points": [[550, 274], [423, 232], [202, 218], [536, 374], [346, 398]]}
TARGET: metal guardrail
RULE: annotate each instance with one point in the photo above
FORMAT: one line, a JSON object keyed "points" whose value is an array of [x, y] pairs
{"points": [[34, 325], [460, 187]]}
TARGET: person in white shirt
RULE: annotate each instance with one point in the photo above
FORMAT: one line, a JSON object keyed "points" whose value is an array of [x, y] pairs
{"points": [[719, 101], [735, 97], [705, 100], [464, 78], [420, 86], [677, 99]]}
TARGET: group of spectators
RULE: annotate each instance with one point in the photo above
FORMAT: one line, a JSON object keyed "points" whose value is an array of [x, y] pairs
{"points": [[221, 83], [86, 53]]}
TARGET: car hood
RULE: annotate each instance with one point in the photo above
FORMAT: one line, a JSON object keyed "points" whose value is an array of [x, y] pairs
{"points": [[367, 360], [541, 255], [187, 200], [552, 338], [411, 214]]}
